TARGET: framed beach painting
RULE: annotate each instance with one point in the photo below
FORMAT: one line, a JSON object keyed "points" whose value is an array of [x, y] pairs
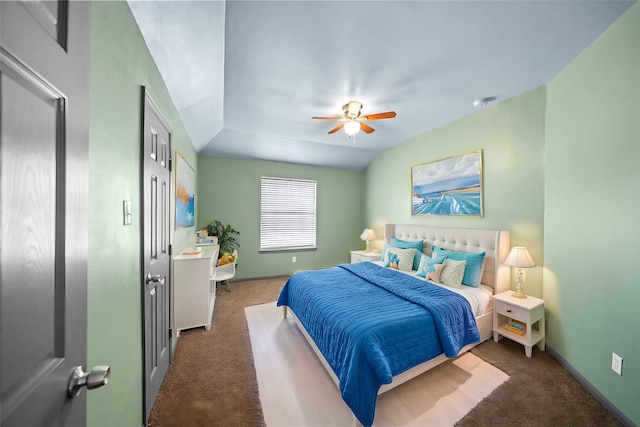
{"points": [[185, 193], [451, 186]]}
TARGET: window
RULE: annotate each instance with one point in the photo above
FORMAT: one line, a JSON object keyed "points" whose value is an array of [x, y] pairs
{"points": [[287, 214]]}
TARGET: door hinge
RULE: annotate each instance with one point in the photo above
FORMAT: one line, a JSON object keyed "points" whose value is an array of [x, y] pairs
{"points": [[170, 249]]}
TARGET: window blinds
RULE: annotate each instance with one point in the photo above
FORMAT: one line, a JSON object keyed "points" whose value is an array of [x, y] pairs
{"points": [[287, 214]]}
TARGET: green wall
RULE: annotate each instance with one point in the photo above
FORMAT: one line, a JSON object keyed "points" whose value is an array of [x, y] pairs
{"points": [[120, 65], [592, 205], [511, 135], [229, 190], [570, 177], [561, 173]]}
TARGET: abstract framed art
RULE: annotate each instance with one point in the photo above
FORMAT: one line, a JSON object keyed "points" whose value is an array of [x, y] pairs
{"points": [[450, 186], [185, 193]]}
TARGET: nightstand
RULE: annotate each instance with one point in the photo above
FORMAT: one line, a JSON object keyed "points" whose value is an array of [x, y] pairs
{"points": [[529, 310], [359, 256]]}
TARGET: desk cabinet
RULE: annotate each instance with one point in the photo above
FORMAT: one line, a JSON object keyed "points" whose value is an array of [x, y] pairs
{"points": [[194, 295]]}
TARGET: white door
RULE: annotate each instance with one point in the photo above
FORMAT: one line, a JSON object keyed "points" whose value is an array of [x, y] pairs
{"points": [[44, 146]]}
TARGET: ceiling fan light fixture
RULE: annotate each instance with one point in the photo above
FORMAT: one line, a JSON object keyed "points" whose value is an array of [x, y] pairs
{"points": [[351, 128], [352, 109]]}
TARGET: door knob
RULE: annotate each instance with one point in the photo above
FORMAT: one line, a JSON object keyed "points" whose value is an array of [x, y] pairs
{"points": [[98, 377], [155, 278]]}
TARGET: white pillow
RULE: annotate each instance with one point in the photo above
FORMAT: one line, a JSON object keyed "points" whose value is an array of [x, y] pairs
{"points": [[405, 258], [453, 273]]}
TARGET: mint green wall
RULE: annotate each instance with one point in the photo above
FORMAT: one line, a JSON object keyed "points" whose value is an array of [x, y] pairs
{"points": [[592, 203], [592, 149], [229, 190], [120, 65], [511, 135]]}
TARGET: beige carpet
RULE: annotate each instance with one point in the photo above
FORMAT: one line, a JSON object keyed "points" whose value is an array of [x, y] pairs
{"points": [[212, 381], [296, 390]]}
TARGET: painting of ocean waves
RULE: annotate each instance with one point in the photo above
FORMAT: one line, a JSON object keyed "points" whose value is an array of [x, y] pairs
{"points": [[451, 186], [185, 193]]}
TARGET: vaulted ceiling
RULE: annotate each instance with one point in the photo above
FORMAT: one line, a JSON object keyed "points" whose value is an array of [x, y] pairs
{"points": [[247, 76]]}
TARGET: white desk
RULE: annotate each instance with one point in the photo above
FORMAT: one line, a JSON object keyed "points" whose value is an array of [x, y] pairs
{"points": [[193, 295]]}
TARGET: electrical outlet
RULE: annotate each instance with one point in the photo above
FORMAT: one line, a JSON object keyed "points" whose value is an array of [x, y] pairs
{"points": [[293, 259], [616, 363]]}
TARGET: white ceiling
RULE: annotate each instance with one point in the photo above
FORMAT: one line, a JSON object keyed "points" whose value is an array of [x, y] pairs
{"points": [[246, 76]]}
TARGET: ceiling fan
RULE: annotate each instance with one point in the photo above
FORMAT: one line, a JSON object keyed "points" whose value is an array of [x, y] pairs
{"points": [[354, 121]]}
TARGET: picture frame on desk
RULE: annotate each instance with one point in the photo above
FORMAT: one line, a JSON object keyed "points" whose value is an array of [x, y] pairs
{"points": [[203, 239]]}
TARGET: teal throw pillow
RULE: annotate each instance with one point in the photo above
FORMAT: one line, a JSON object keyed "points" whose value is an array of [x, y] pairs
{"points": [[393, 261], [403, 244], [425, 263], [384, 251], [474, 268], [404, 256], [426, 269]]}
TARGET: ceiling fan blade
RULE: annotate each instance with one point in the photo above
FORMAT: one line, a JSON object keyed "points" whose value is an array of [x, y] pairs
{"points": [[378, 116], [336, 129], [366, 128], [328, 118]]}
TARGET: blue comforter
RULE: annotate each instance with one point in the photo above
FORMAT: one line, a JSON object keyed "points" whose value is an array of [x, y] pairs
{"points": [[372, 323]]}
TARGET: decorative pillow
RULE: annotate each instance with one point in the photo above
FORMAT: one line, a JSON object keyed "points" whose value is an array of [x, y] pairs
{"points": [[405, 258], [475, 264], [226, 258], [425, 263], [417, 245], [392, 261], [434, 275], [384, 252], [453, 273]]}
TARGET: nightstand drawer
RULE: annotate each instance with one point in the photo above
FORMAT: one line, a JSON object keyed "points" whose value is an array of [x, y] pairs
{"points": [[512, 311]]}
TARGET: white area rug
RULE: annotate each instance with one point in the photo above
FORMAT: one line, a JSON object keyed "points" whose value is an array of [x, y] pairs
{"points": [[296, 390]]}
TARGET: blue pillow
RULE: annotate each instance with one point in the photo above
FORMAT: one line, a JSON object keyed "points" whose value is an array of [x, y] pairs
{"points": [[384, 251], [427, 265], [417, 245], [474, 264], [393, 261]]}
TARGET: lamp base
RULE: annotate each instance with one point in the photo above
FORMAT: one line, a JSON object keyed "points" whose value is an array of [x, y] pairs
{"points": [[368, 247], [518, 293]]}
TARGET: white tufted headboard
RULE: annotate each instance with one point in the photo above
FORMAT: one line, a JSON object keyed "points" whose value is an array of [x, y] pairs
{"points": [[494, 242]]}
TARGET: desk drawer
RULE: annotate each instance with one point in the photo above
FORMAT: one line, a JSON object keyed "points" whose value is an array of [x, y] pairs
{"points": [[512, 311]]}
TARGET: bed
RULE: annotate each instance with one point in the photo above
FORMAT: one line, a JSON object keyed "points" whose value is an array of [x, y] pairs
{"points": [[374, 328]]}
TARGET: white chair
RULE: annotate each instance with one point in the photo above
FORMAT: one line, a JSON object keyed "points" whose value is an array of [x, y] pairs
{"points": [[212, 266], [222, 273]]}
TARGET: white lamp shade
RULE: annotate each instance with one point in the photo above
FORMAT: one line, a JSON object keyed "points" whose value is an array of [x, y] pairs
{"points": [[519, 257], [351, 128], [368, 234]]}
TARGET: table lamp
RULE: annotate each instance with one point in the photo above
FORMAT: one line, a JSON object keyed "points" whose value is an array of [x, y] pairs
{"points": [[520, 258], [368, 234]]}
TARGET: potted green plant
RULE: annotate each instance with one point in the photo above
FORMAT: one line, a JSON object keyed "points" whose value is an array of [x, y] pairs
{"points": [[225, 234]]}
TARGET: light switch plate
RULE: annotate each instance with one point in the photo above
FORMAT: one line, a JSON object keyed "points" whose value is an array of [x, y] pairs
{"points": [[126, 212]]}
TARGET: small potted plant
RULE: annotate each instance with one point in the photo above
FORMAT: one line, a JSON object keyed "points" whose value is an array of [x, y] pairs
{"points": [[225, 235]]}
